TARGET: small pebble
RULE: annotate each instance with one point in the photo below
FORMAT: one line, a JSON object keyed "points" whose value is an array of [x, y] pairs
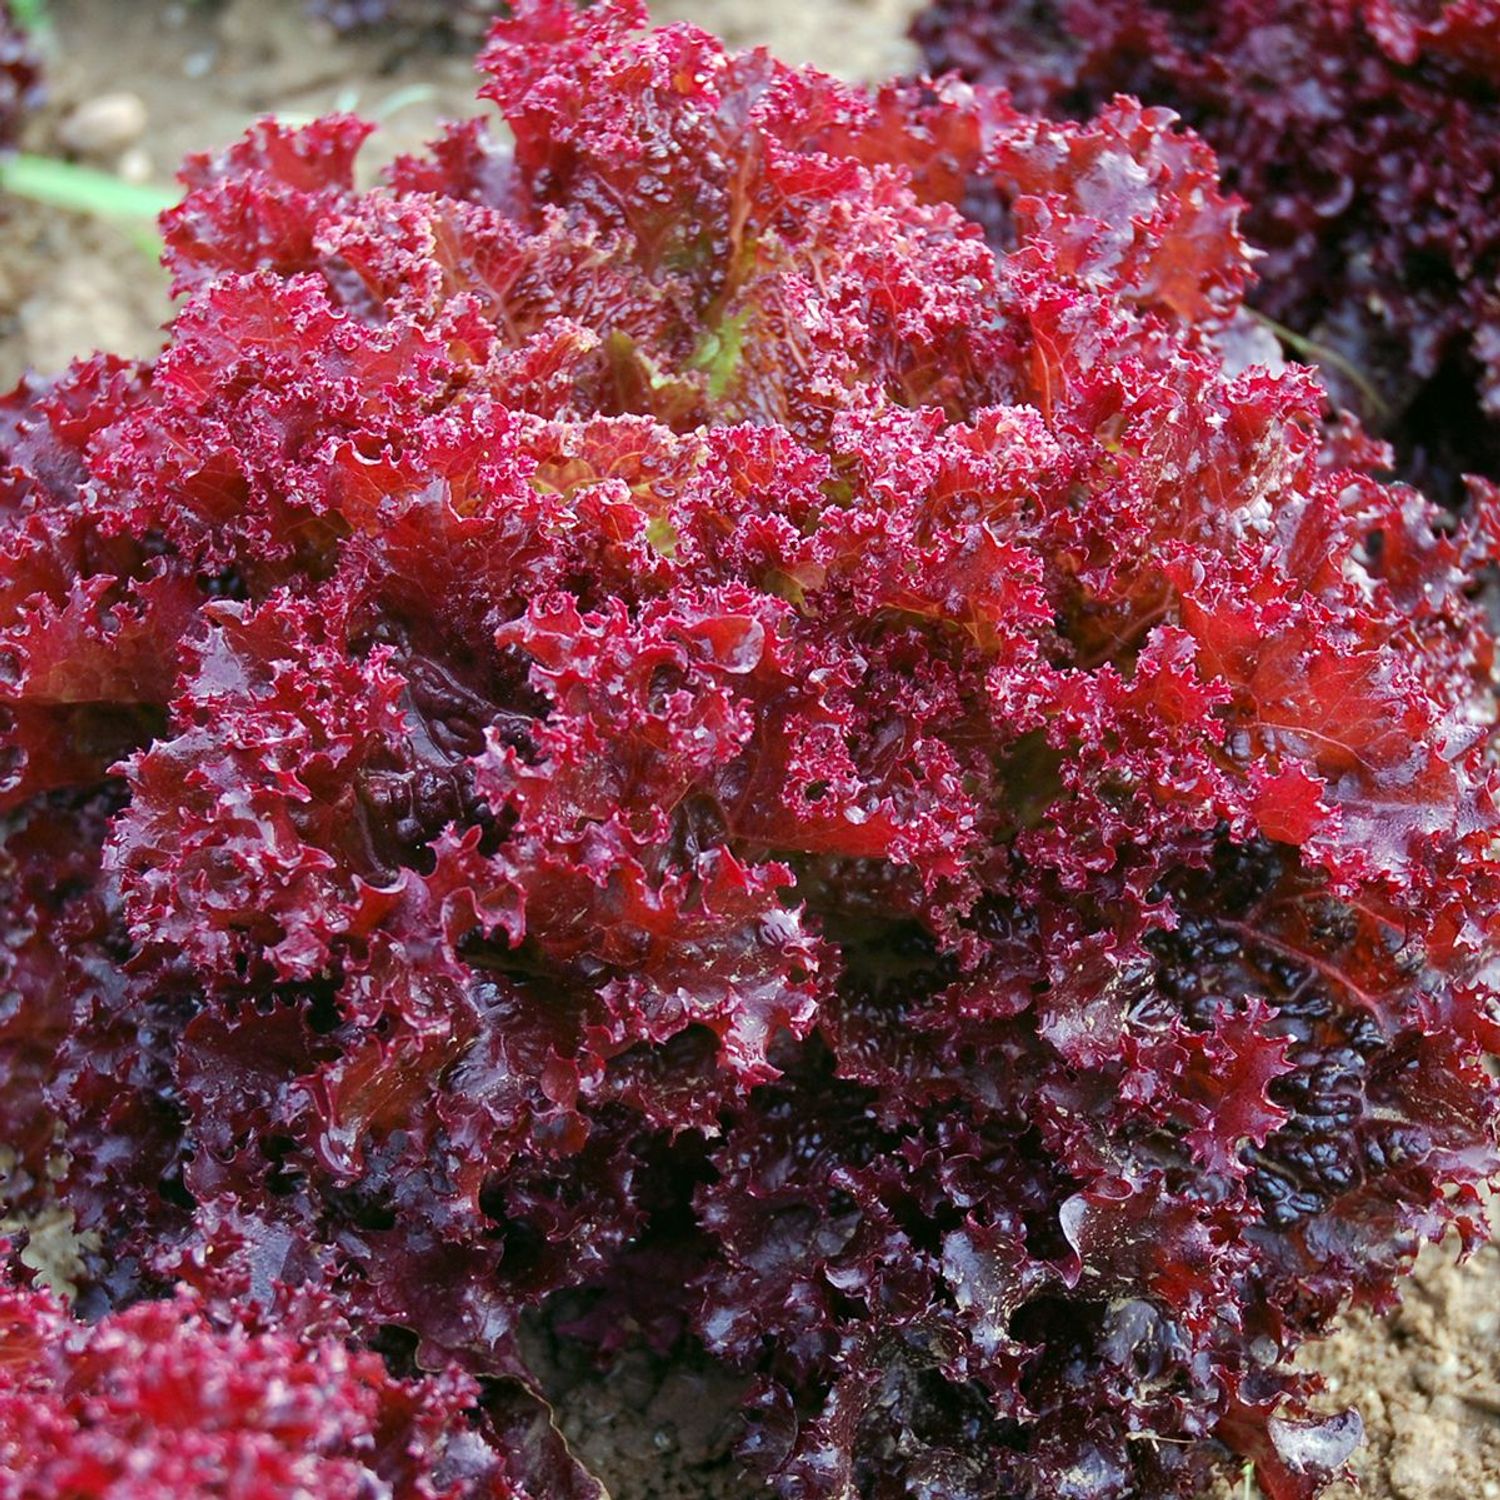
{"points": [[135, 165], [104, 125]]}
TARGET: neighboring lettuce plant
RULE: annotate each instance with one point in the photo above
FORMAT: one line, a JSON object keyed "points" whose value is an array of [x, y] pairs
{"points": [[20, 76], [1364, 136], [655, 726], [161, 1401]]}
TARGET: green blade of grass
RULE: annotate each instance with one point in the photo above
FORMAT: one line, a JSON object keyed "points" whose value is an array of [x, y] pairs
{"points": [[1321, 354], [85, 190], [30, 15]]}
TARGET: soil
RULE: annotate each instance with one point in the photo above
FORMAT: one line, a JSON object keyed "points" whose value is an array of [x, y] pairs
{"points": [[1427, 1379], [1427, 1383]]}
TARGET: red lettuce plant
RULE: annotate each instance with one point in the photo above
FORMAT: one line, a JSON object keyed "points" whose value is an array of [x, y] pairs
{"points": [[648, 727], [1364, 136]]}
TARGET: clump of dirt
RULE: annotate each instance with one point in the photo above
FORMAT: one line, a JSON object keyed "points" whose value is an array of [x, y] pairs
{"points": [[1426, 1380]]}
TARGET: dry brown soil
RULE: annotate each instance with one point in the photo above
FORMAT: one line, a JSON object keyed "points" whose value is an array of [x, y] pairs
{"points": [[1427, 1380]]}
